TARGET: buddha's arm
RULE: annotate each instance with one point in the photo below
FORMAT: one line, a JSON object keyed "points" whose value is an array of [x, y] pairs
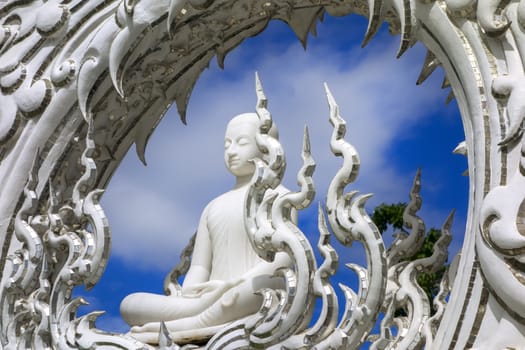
{"points": [[268, 268], [200, 267]]}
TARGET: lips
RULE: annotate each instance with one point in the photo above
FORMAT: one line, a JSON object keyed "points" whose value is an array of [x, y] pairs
{"points": [[234, 161]]}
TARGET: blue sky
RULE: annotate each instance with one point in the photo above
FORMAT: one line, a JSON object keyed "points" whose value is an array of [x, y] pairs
{"points": [[395, 125]]}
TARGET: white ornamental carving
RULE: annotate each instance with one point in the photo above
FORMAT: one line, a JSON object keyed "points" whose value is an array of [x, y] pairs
{"points": [[80, 81]]}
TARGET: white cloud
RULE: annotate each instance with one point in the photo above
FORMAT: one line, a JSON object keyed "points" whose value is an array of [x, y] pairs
{"points": [[154, 210], [148, 227]]}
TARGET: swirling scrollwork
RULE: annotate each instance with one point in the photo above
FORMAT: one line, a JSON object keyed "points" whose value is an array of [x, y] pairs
{"points": [[501, 246], [27, 283], [63, 247], [416, 327], [350, 222], [406, 245]]}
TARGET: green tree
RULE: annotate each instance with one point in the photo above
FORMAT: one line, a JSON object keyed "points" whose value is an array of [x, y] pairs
{"points": [[385, 215], [389, 214]]}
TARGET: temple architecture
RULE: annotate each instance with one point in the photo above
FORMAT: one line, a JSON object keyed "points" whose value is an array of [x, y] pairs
{"points": [[81, 81]]}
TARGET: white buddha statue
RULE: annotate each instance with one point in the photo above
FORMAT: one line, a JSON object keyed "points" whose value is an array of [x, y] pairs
{"points": [[225, 271]]}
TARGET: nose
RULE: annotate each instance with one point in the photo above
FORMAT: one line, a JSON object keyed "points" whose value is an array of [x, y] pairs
{"points": [[231, 150]]}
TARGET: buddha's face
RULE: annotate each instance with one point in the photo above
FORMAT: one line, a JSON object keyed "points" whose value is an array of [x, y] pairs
{"points": [[240, 146]]}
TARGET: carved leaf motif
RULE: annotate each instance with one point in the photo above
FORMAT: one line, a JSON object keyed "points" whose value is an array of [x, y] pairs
{"points": [[511, 91]]}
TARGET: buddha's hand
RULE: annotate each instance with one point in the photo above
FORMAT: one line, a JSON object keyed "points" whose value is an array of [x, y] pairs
{"points": [[150, 327], [210, 289]]}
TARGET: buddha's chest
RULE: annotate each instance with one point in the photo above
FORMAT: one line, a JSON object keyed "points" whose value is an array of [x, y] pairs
{"points": [[232, 253]]}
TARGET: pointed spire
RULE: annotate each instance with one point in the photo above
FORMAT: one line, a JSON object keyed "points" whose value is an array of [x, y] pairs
{"points": [[416, 185], [431, 63], [262, 101], [448, 222], [182, 103], [141, 142], [306, 142], [445, 83], [336, 120], [303, 21], [329, 96], [374, 20], [221, 56], [165, 341], [117, 52], [450, 97], [461, 148]]}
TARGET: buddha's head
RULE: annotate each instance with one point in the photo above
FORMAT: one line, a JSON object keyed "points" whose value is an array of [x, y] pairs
{"points": [[240, 146]]}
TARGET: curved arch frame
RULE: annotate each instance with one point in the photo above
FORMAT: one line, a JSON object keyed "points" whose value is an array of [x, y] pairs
{"points": [[120, 65]]}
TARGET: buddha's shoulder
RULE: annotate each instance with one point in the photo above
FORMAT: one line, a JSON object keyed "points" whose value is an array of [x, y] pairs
{"points": [[237, 196], [227, 198]]}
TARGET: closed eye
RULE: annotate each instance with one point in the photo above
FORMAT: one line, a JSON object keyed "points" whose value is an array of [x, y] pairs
{"points": [[243, 141]]}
